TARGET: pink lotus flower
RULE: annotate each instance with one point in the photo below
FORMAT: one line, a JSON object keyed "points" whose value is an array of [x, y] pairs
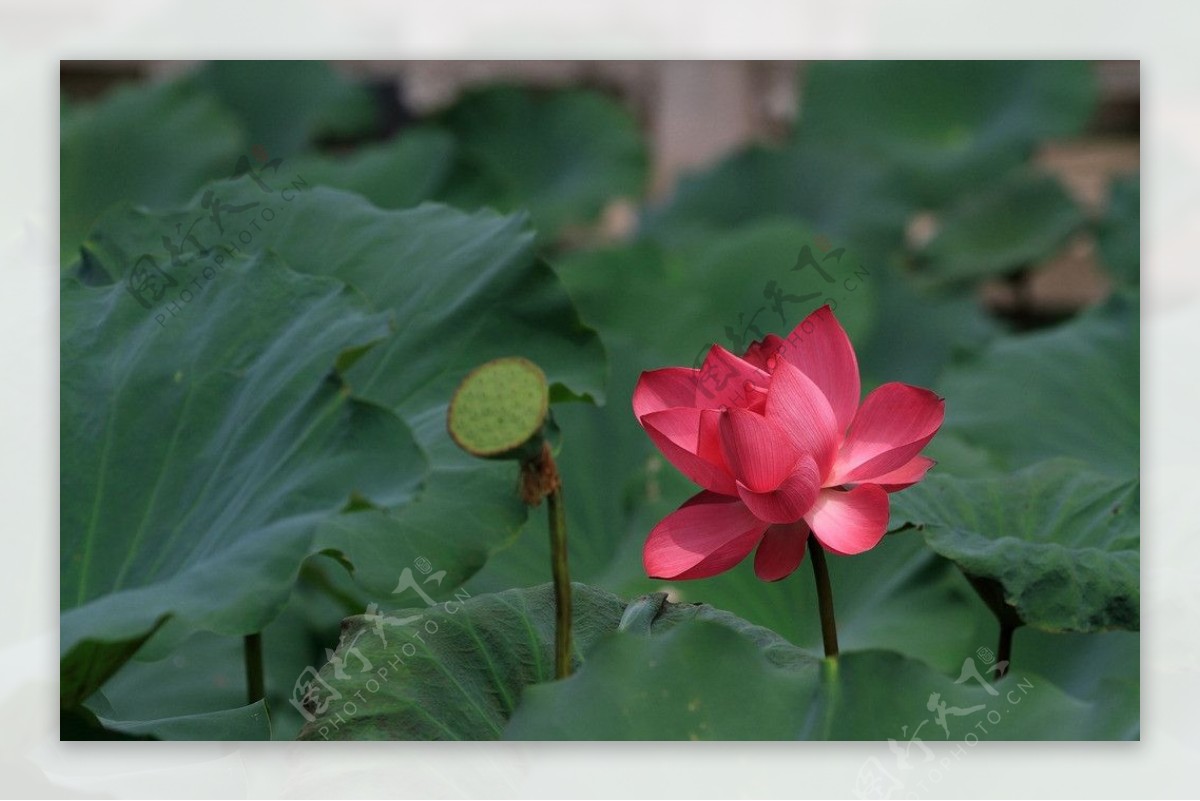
{"points": [[783, 449]]}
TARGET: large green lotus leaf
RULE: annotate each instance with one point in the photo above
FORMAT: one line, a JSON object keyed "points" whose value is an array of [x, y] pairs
{"points": [[1015, 224], [845, 197], [464, 288], [453, 671], [563, 155], [205, 671], [1068, 391], [396, 174], [654, 614], [285, 106], [203, 675], [701, 680], [466, 513], [467, 289], [460, 669], [472, 291], [152, 145], [944, 126], [199, 452], [1119, 236], [1061, 541], [696, 681], [249, 722]]}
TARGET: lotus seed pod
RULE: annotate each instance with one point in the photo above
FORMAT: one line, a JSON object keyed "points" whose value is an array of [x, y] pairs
{"points": [[499, 409]]}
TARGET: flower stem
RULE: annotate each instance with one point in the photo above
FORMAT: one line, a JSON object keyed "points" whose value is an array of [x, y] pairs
{"points": [[824, 597], [252, 645], [1004, 650], [993, 596], [562, 582]]}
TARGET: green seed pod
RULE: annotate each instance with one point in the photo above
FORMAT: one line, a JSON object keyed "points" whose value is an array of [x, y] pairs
{"points": [[499, 410]]}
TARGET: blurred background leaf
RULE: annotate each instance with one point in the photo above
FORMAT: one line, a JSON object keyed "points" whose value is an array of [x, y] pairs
{"points": [[945, 126], [148, 145], [1120, 231], [395, 174], [563, 155], [1014, 225], [287, 106], [828, 187]]}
